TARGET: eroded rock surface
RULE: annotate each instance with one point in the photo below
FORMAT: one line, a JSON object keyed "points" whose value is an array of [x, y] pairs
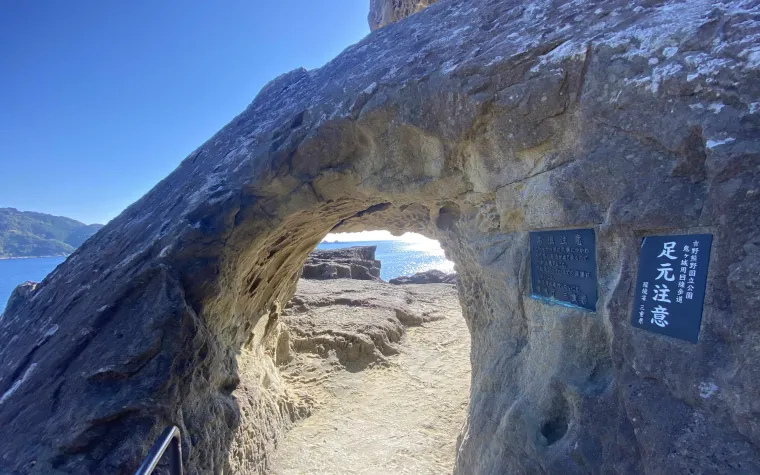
{"points": [[472, 122], [357, 262], [19, 296], [396, 407], [384, 12], [356, 323], [433, 276]]}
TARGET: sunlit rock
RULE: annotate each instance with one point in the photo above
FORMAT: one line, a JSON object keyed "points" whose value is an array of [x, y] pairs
{"points": [[433, 276], [357, 262], [383, 12]]}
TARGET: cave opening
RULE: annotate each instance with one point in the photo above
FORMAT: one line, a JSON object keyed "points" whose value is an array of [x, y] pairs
{"points": [[404, 255], [374, 350]]}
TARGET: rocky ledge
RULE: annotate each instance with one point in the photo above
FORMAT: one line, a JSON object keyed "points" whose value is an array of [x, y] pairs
{"points": [[433, 276], [356, 262], [355, 355], [19, 296], [355, 322]]}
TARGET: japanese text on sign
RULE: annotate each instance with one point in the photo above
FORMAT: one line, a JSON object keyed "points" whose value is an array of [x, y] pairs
{"points": [[563, 267], [671, 284]]}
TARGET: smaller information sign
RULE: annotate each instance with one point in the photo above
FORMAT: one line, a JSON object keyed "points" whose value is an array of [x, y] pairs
{"points": [[670, 290], [563, 267]]}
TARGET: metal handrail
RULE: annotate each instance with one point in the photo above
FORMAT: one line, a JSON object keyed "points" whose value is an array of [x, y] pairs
{"points": [[170, 435]]}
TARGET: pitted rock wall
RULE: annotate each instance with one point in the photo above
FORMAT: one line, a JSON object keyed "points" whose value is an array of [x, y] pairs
{"points": [[472, 122]]}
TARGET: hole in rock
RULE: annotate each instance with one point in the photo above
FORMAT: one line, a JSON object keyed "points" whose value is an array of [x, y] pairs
{"points": [[376, 352], [558, 420], [554, 429], [447, 216]]}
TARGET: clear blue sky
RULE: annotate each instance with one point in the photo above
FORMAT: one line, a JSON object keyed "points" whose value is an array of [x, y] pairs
{"points": [[100, 99]]}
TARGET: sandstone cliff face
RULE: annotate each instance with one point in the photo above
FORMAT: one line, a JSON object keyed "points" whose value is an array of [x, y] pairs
{"points": [[472, 122], [384, 12]]}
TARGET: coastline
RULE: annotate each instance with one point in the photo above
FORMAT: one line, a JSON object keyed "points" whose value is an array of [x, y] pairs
{"points": [[32, 257]]}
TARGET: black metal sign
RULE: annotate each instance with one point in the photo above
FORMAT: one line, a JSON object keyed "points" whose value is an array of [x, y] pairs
{"points": [[563, 267], [670, 290]]}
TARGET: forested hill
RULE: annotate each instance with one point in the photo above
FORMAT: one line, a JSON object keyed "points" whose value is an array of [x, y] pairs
{"points": [[30, 234]]}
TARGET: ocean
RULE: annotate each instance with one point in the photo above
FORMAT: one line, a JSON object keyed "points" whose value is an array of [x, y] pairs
{"points": [[18, 271], [397, 257]]}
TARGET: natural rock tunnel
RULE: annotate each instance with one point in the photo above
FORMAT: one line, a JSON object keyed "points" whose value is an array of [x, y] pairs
{"points": [[472, 123]]}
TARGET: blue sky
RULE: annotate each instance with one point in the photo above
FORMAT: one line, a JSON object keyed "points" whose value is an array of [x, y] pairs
{"points": [[102, 99]]}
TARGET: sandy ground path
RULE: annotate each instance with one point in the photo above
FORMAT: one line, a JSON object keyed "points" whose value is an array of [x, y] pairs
{"points": [[400, 419]]}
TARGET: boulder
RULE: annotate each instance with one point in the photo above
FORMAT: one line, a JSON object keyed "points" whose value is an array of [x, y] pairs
{"points": [[433, 276], [356, 262], [19, 296], [474, 123]]}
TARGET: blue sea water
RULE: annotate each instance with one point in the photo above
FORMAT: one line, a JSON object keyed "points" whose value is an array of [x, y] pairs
{"points": [[397, 257], [18, 271]]}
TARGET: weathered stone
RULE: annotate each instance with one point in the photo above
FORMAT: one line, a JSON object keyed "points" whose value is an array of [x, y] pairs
{"points": [[386, 403], [357, 323], [472, 122], [357, 262], [19, 296], [433, 276], [384, 12]]}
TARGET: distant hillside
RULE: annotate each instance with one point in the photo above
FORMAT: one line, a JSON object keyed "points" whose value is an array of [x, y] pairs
{"points": [[30, 234]]}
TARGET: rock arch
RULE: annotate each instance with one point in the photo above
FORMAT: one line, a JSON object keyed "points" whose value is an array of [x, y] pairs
{"points": [[471, 122]]}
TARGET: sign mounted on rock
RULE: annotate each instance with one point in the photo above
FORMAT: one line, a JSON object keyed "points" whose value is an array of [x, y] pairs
{"points": [[563, 267], [670, 289]]}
